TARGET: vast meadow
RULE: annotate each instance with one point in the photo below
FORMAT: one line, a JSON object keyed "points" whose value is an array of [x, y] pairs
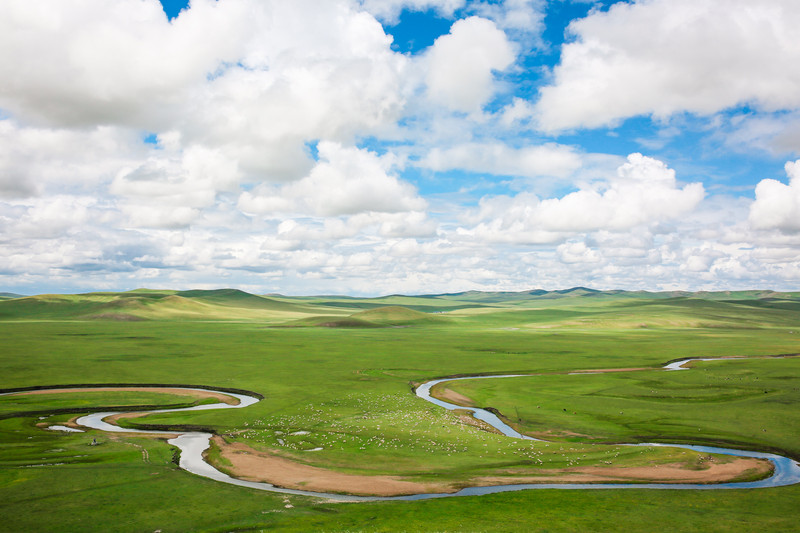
{"points": [[337, 376]]}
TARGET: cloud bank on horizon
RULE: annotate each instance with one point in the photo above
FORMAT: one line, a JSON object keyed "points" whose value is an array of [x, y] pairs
{"points": [[385, 146]]}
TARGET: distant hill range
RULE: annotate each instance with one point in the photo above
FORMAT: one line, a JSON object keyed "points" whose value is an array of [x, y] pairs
{"points": [[9, 296], [583, 292], [342, 311], [145, 304]]}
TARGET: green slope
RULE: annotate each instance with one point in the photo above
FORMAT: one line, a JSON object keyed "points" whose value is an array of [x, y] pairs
{"points": [[236, 298], [395, 315]]}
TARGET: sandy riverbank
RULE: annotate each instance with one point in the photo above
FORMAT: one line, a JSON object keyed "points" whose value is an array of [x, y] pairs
{"points": [[263, 466]]}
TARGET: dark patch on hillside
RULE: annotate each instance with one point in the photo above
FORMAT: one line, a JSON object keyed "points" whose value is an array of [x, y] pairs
{"points": [[381, 317], [366, 305], [236, 298]]}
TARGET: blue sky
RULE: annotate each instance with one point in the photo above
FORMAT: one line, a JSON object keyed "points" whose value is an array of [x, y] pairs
{"points": [[371, 147]]}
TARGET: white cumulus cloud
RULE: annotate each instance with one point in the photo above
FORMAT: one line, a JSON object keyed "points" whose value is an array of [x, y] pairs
{"points": [[662, 57], [497, 158], [644, 191], [576, 252], [515, 15], [279, 145], [777, 205], [255, 79], [144, 63], [389, 10], [346, 181], [462, 64], [40, 161]]}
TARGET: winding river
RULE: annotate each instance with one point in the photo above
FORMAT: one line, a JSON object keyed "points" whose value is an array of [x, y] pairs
{"points": [[193, 444]]}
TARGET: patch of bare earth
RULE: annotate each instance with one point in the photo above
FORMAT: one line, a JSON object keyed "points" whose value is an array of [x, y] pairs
{"points": [[607, 370], [669, 473], [71, 423], [113, 419], [449, 395], [199, 394], [252, 465], [551, 434]]}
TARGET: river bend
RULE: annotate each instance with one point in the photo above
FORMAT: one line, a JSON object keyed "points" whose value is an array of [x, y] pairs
{"points": [[193, 444]]}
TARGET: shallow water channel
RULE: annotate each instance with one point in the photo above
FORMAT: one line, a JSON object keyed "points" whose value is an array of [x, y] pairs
{"points": [[193, 444]]}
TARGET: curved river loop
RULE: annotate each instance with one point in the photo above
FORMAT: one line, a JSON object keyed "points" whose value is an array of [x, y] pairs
{"points": [[193, 444]]}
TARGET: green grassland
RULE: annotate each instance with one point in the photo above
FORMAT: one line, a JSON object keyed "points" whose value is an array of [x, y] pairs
{"points": [[339, 373]]}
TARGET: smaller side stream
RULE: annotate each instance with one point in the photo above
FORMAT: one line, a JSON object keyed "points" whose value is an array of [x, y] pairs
{"points": [[786, 471]]}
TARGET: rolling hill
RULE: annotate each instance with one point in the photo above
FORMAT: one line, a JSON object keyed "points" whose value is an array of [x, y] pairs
{"points": [[536, 307], [224, 304]]}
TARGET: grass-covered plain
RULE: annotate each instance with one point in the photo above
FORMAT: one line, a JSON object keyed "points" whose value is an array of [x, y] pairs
{"points": [[337, 372]]}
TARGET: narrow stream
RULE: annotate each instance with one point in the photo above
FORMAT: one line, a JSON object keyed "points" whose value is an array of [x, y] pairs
{"points": [[193, 444]]}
